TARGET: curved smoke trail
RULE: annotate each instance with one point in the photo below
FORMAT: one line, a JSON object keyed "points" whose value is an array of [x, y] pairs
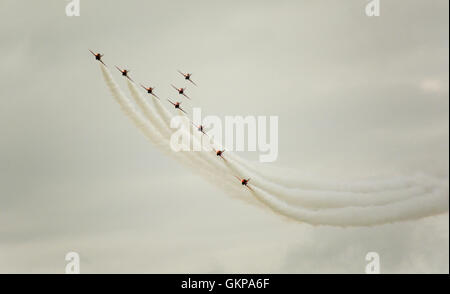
{"points": [[292, 179], [162, 123], [156, 137], [331, 199], [315, 202], [148, 111], [419, 207]]}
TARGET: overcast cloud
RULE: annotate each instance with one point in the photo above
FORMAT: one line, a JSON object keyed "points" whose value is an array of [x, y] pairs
{"points": [[356, 97]]}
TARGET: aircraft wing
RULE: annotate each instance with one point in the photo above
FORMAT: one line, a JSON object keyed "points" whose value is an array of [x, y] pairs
{"points": [[182, 110]]}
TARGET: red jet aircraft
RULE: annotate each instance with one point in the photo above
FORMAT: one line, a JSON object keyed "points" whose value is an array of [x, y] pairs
{"points": [[177, 105], [150, 90], [180, 91], [187, 76], [98, 56], [125, 73]]}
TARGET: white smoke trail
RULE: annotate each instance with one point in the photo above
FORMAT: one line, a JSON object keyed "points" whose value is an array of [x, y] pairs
{"points": [[342, 212], [330, 199], [148, 129], [128, 108], [327, 198], [155, 137], [147, 110], [162, 124], [292, 179], [208, 157], [164, 114], [432, 204]]}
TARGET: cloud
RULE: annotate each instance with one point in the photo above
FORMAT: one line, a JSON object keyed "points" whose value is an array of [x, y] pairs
{"points": [[412, 247], [434, 86], [75, 174]]}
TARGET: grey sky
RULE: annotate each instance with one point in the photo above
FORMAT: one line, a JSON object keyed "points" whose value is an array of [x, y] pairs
{"points": [[355, 96]]}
